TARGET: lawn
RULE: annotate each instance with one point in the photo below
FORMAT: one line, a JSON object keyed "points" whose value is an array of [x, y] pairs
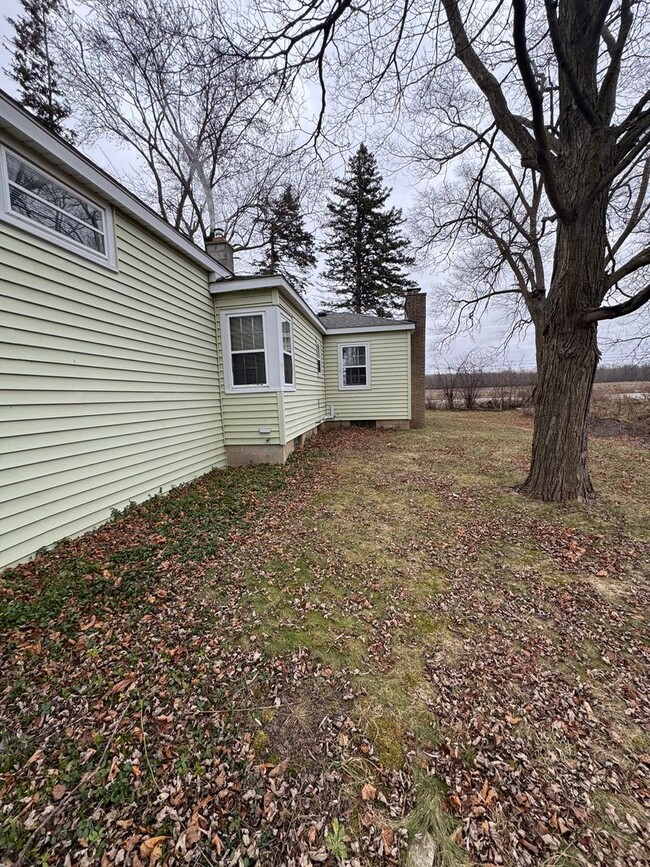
{"points": [[314, 664]]}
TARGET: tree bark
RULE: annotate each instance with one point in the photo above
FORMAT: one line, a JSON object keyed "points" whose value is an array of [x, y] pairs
{"points": [[568, 357]]}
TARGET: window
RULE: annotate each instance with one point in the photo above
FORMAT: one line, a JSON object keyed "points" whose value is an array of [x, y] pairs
{"points": [[52, 210], [258, 350], [287, 351], [247, 351], [319, 357], [354, 365]]}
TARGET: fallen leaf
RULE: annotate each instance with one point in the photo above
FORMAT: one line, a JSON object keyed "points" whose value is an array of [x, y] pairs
{"points": [[368, 792], [149, 846], [114, 770], [280, 769], [59, 791], [193, 834]]}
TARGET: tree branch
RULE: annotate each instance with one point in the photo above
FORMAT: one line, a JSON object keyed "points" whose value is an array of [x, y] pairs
{"points": [[614, 311], [640, 260], [563, 61]]}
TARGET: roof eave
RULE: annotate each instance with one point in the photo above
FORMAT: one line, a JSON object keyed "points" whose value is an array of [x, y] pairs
{"points": [[370, 329], [275, 281], [19, 123]]}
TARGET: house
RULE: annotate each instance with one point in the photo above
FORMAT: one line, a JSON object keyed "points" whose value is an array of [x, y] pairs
{"points": [[133, 361]]}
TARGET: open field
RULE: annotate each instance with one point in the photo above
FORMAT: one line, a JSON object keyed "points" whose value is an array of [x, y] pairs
{"points": [[625, 402], [310, 664]]}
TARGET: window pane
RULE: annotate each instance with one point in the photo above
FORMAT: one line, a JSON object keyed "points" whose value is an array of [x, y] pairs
{"points": [[248, 368], [355, 376], [28, 178], [286, 335], [288, 368], [39, 212], [355, 356], [246, 332]]}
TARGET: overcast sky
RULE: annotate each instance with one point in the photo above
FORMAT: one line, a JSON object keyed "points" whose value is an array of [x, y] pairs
{"points": [[485, 340]]}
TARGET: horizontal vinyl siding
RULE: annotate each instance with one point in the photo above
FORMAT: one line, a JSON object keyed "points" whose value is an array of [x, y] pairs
{"points": [[390, 362], [109, 387], [244, 414], [304, 408]]}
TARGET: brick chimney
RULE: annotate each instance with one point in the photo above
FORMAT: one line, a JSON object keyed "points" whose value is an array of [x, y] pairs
{"points": [[415, 309], [221, 250]]}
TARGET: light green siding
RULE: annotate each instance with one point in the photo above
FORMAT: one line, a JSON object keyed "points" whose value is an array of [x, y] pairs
{"points": [[389, 395], [304, 408], [109, 387], [245, 413]]}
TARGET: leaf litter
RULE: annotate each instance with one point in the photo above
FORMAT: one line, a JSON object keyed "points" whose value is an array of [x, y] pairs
{"points": [[203, 679]]}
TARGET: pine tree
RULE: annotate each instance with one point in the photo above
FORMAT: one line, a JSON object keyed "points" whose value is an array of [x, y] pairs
{"points": [[366, 251], [32, 65], [289, 246]]}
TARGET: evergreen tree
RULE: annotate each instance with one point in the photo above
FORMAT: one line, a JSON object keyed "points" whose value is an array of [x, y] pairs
{"points": [[366, 251], [32, 65], [289, 246]]}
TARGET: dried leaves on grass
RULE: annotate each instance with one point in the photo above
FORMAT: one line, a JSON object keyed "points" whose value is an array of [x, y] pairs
{"points": [[256, 670]]}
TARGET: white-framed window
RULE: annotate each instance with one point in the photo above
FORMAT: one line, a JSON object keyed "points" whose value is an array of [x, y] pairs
{"points": [[319, 357], [354, 365], [37, 202], [248, 365], [258, 350], [287, 352]]}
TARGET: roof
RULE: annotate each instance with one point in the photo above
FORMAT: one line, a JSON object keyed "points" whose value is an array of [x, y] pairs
{"points": [[360, 321], [24, 127], [326, 323], [355, 320], [235, 283]]}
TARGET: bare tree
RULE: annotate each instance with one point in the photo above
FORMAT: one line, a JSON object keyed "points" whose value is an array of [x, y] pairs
{"points": [[470, 378], [205, 122], [449, 386], [566, 85]]}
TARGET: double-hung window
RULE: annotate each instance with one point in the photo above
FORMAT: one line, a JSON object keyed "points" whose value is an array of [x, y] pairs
{"points": [[287, 351], [354, 365], [247, 350], [43, 205], [258, 349]]}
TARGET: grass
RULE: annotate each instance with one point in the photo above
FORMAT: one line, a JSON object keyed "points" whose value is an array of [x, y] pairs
{"points": [[385, 608]]}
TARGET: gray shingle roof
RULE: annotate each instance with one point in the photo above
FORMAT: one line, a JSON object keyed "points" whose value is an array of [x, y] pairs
{"points": [[357, 320]]}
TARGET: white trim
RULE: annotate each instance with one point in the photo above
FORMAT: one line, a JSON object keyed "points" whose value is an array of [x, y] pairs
{"points": [[272, 325], [342, 385], [320, 360], [231, 388], [14, 218], [287, 386], [247, 284], [19, 124], [369, 329]]}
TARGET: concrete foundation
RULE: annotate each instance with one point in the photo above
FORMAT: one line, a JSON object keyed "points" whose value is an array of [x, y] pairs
{"points": [[245, 456], [394, 423], [390, 423]]}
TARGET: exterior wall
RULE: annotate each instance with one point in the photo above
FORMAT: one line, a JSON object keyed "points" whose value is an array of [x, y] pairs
{"points": [[110, 386], [245, 413], [304, 408], [389, 395]]}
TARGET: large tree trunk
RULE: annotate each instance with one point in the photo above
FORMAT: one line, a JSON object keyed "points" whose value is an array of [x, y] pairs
{"points": [[567, 362], [559, 470]]}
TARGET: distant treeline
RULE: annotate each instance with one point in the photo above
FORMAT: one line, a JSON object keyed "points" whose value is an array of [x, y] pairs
{"points": [[492, 378]]}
